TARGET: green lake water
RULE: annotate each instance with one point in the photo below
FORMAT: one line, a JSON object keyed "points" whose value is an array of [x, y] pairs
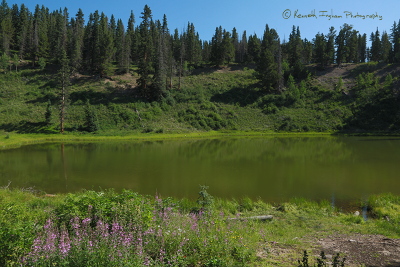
{"points": [[275, 169]]}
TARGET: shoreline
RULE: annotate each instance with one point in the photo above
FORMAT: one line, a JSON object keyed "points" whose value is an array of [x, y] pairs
{"points": [[16, 140]]}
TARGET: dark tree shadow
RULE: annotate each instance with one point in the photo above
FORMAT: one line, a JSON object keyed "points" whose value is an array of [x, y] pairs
{"points": [[243, 96], [28, 127]]}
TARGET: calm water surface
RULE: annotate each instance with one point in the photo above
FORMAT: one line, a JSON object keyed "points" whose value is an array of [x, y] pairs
{"points": [[338, 169]]}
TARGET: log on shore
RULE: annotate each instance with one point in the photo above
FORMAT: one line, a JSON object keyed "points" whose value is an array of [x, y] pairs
{"points": [[259, 218]]}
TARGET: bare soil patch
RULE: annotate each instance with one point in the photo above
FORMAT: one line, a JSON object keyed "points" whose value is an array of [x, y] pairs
{"points": [[358, 250], [363, 250]]}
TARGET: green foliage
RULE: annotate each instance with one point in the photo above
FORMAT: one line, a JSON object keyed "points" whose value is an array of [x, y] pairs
{"points": [[339, 85], [128, 229], [4, 62], [49, 113], [292, 89], [205, 200], [321, 260], [386, 206], [42, 63], [91, 121], [207, 117], [127, 206]]}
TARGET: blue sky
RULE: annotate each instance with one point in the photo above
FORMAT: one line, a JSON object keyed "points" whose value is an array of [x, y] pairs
{"points": [[249, 15]]}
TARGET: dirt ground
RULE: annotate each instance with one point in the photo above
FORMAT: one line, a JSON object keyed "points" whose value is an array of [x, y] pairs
{"points": [[363, 250], [358, 250]]}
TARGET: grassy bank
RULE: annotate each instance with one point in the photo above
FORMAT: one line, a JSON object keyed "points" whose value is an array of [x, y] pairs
{"points": [[209, 99], [14, 140], [127, 229]]}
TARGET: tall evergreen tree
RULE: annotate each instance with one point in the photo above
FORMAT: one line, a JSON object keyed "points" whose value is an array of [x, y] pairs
{"points": [[376, 50], [395, 38], [362, 47], [330, 46], [216, 47], [235, 42], [269, 68], [192, 45], [319, 49], [342, 39], [6, 27], [106, 47], [307, 51], [22, 39], [352, 44], [131, 38], [162, 64], [386, 47], [76, 40], [295, 47], [254, 49], [63, 77], [145, 50], [122, 53], [243, 48], [227, 47]]}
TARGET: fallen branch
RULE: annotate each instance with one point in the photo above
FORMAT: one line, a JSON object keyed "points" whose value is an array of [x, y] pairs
{"points": [[259, 218]]}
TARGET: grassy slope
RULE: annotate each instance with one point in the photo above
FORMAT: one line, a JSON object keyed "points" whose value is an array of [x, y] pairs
{"points": [[210, 99]]}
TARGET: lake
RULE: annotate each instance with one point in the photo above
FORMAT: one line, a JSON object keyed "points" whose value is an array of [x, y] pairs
{"points": [[275, 169]]}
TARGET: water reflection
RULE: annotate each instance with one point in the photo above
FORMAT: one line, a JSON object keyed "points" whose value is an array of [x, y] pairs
{"points": [[274, 169]]}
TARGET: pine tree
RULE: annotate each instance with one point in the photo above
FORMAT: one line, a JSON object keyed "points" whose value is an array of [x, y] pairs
{"points": [[307, 51], [319, 49], [192, 45], [122, 43], [131, 41], [376, 50], [243, 47], [22, 39], [353, 47], [330, 46], [235, 43], [49, 113], [269, 67], [295, 47], [145, 51], [58, 32], [341, 41], [227, 48], [386, 47], [41, 38], [63, 77], [4, 62], [395, 38], [162, 62], [362, 47], [292, 89], [216, 47], [254, 49], [91, 120], [76, 40], [206, 51], [106, 47], [6, 27], [15, 61], [267, 71]]}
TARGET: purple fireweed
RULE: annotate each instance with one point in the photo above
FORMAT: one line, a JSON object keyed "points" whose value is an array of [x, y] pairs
{"points": [[64, 243]]}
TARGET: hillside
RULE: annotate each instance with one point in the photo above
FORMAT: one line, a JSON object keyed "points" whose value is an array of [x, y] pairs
{"points": [[226, 98]]}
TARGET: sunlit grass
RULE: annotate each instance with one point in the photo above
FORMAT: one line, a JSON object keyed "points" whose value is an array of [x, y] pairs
{"points": [[128, 229]]}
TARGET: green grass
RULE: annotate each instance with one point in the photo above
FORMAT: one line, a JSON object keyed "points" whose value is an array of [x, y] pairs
{"points": [[64, 229], [227, 99]]}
